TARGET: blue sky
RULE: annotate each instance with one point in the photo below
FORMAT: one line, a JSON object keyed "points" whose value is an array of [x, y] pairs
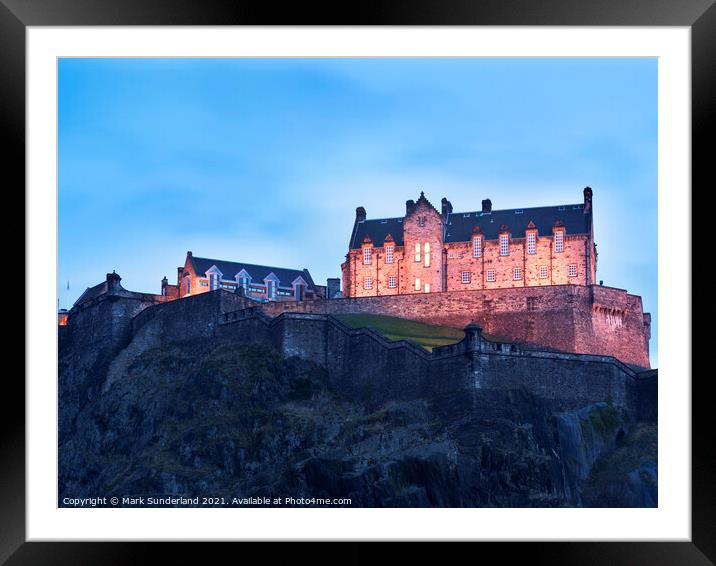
{"points": [[265, 160]]}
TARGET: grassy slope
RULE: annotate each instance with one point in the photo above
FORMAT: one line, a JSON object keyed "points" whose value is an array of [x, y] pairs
{"points": [[395, 328]]}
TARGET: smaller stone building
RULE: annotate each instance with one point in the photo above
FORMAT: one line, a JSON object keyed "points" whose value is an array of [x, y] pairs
{"points": [[259, 282]]}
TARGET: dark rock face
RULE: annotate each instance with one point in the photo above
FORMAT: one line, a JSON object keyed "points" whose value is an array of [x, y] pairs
{"points": [[215, 419]]}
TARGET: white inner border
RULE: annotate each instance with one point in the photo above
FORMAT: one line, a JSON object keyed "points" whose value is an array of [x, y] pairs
{"points": [[671, 520]]}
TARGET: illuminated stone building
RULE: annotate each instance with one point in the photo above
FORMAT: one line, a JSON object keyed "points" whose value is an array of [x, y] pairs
{"points": [[259, 282], [428, 251]]}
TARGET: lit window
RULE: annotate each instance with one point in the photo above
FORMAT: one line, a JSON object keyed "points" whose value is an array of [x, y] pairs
{"points": [[466, 276], [368, 283], [572, 270], [367, 252], [388, 254], [427, 254], [392, 281], [490, 274], [531, 243], [543, 273], [477, 246], [504, 244], [417, 252], [427, 287], [517, 273], [559, 241], [417, 283]]}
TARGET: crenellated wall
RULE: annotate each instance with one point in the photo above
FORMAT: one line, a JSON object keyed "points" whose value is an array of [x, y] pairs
{"points": [[588, 320], [361, 363], [364, 364]]}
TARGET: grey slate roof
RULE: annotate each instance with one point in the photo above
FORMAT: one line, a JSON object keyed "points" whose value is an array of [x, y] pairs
{"points": [[460, 224], [378, 230], [258, 272], [459, 228]]}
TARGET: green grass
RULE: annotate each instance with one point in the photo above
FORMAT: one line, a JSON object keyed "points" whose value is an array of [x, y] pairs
{"points": [[395, 328]]}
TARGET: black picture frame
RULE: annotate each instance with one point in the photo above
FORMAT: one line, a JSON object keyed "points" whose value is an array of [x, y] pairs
{"points": [[16, 15]]}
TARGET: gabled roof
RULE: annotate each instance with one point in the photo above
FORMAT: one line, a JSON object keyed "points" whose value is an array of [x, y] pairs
{"points": [[258, 273], [92, 293], [460, 225]]}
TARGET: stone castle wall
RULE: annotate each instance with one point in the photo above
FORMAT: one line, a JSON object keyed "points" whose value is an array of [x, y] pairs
{"points": [[570, 318], [360, 363], [363, 364]]}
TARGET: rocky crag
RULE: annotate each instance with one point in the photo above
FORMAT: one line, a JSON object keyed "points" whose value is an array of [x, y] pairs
{"points": [[210, 417]]}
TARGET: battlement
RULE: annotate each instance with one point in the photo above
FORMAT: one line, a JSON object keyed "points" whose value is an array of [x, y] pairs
{"points": [[359, 361], [593, 319]]}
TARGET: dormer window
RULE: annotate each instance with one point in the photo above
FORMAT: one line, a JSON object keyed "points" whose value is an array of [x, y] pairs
{"points": [[504, 244], [477, 246], [559, 241], [389, 254], [367, 253], [426, 249], [243, 279], [531, 243], [271, 282], [213, 281]]}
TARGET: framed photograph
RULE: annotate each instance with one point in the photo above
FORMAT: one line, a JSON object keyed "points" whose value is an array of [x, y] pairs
{"points": [[426, 281]]}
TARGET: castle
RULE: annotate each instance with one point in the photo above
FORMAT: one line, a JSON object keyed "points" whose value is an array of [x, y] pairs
{"points": [[526, 276], [427, 251]]}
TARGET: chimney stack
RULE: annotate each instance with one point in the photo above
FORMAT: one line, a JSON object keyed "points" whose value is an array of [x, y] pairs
{"points": [[487, 205], [409, 205], [113, 285], [446, 207], [360, 214], [587, 200]]}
